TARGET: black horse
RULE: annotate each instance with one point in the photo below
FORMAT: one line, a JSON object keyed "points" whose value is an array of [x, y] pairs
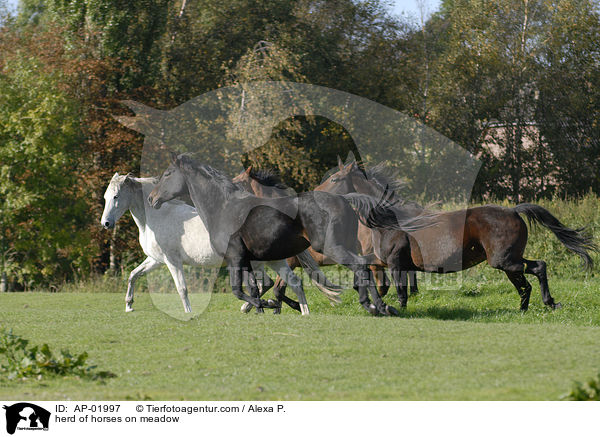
{"points": [[464, 238], [243, 227]]}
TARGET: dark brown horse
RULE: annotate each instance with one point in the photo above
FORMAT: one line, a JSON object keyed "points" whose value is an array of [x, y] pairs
{"points": [[464, 238], [266, 183]]}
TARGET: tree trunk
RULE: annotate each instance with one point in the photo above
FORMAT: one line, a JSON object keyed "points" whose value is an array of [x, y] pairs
{"points": [[3, 283], [112, 258]]}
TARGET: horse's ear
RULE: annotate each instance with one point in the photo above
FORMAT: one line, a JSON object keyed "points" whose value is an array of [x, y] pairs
{"points": [[173, 157], [115, 175], [249, 170], [340, 163], [129, 179], [350, 159]]}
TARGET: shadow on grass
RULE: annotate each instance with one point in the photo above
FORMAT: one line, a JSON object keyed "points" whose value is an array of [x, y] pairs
{"points": [[461, 314]]}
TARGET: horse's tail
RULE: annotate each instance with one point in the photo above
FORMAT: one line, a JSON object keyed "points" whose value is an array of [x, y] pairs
{"points": [[576, 240], [382, 213], [331, 290]]}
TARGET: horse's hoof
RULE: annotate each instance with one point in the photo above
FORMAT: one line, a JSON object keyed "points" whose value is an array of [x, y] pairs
{"points": [[246, 307], [128, 310], [402, 303], [391, 311], [269, 304], [277, 310], [373, 310], [556, 305], [274, 304]]}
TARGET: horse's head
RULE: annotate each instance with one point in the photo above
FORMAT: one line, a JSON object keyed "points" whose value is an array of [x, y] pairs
{"points": [[343, 180], [170, 185], [117, 199], [244, 180]]}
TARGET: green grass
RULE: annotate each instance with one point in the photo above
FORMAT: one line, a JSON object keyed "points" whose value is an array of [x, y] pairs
{"points": [[466, 341], [470, 343]]}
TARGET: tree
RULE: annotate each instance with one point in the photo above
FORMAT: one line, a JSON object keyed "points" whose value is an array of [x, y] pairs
{"points": [[42, 215], [568, 108]]}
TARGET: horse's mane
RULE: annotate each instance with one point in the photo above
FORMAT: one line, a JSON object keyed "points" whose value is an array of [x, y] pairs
{"points": [[268, 177], [224, 182], [385, 176], [388, 179]]}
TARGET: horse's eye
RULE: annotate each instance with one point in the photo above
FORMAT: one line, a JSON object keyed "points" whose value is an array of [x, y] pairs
{"points": [[334, 180], [116, 196]]}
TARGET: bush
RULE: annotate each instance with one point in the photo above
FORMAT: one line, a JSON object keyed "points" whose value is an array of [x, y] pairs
{"points": [[590, 391], [23, 361]]}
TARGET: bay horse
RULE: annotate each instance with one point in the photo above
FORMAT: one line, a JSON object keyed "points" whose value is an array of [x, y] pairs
{"points": [[243, 227], [493, 233], [175, 235]]}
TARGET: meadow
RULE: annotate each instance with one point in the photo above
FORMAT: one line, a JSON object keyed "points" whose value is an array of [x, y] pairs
{"points": [[461, 338]]}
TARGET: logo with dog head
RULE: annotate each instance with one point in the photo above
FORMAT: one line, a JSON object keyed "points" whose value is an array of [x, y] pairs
{"points": [[26, 416]]}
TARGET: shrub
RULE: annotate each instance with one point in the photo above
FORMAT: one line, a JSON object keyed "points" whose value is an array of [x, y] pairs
{"points": [[22, 361], [590, 391]]}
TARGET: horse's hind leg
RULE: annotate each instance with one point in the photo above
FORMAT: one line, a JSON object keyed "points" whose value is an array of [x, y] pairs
{"points": [[177, 274], [146, 266], [266, 283], [279, 292], [538, 268], [412, 276], [522, 285]]}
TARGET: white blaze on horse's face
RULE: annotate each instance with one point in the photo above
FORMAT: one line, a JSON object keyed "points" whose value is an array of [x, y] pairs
{"points": [[116, 201]]}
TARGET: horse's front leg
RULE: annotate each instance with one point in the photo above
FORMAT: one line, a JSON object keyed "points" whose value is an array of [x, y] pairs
{"points": [[265, 283], [381, 279], [401, 282], [288, 275], [253, 286], [236, 267], [146, 266]]}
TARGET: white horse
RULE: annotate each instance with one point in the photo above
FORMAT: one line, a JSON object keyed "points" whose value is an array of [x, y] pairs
{"points": [[175, 235]]}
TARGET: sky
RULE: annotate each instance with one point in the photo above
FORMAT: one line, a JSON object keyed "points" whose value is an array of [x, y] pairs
{"points": [[399, 7], [13, 3], [410, 8]]}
